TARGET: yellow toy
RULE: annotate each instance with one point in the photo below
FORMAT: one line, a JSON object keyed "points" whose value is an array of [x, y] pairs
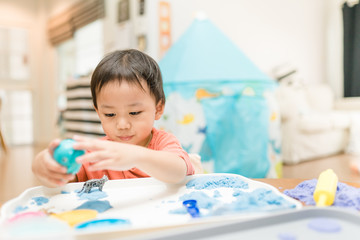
{"points": [[325, 190]]}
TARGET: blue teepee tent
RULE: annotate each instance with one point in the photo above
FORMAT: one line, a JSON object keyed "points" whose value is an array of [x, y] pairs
{"points": [[215, 101]]}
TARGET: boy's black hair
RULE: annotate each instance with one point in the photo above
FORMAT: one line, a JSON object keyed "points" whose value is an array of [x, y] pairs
{"points": [[131, 66]]}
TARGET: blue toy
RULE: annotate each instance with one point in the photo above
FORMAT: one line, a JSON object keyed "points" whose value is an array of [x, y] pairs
{"points": [[65, 155], [192, 208]]}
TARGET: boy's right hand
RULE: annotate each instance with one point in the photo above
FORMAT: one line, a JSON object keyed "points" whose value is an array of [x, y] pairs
{"points": [[48, 171]]}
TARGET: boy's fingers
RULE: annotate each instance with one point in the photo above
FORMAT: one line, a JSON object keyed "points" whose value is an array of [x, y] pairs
{"points": [[95, 156], [57, 182], [53, 166], [63, 177], [54, 180], [99, 166], [53, 145], [78, 138], [91, 145]]}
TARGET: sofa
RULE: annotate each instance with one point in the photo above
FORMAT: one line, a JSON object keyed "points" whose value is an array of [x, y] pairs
{"points": [[313, 123]]}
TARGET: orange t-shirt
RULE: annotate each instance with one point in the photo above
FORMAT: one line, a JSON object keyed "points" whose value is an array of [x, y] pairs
{"points": [[161, 141]]}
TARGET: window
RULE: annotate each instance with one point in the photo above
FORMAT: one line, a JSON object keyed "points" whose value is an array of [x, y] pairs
{"points": [[79, 56], [89, 48], [16, 114], [14, 54]]}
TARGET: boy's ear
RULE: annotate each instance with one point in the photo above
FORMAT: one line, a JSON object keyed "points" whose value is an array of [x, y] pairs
{"points": [[160, 106]]}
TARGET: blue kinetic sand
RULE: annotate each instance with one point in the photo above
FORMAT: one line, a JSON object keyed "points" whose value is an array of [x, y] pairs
{"points": [[346, 196], [40, 200], [100, 206], [94, 194], [211, 182], [65, 155]]}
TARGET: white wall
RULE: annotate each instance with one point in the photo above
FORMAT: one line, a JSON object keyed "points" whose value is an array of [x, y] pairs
{"points": [[269, 32]]}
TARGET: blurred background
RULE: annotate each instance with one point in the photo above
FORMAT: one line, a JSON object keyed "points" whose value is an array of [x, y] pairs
{"points": [[35, 67], [49, 49]]}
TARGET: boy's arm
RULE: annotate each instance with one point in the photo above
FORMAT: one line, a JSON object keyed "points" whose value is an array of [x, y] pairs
{"points": [[165, 166]]}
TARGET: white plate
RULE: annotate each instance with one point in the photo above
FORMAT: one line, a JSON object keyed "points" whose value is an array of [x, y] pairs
{"points": [[145, 202]]}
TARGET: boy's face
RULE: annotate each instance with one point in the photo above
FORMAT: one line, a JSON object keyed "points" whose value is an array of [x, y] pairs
{"points": [[127, 112]]}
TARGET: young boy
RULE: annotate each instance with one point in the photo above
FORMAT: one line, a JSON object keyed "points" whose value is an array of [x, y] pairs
{"points": [[128, 96]]}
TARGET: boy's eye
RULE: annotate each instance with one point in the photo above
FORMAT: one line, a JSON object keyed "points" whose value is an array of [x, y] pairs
{"points": [[109, 114], [134, 113]]}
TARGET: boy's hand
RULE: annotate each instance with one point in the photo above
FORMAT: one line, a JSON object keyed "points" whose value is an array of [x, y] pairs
{"points": [[49, 172], [116, 156], [107, 154]]}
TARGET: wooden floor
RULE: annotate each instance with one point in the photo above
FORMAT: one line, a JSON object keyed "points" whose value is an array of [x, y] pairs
{"points": [[311, 169], [15, 171], [16, 175]]}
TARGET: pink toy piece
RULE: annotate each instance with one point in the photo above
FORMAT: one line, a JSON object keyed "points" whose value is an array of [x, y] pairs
{"points": [[26, 215]]}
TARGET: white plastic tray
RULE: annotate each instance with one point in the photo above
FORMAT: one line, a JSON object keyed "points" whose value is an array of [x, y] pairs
{"points": [[280, 226], [145, 202]]}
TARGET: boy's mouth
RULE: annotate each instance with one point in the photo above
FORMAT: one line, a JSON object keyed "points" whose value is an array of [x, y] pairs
{"points": [[125, 138]]}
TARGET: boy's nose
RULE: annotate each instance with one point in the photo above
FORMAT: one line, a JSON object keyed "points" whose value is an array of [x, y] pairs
{"points": [[122, 123]]}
